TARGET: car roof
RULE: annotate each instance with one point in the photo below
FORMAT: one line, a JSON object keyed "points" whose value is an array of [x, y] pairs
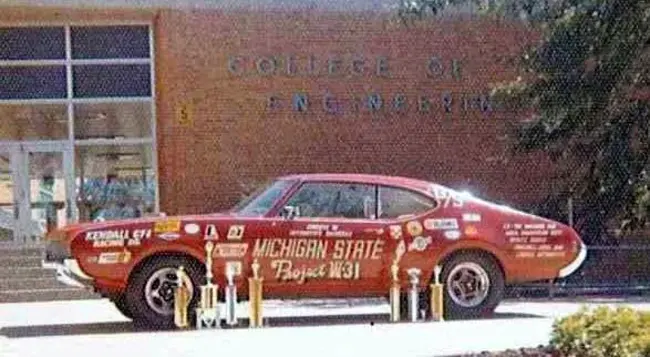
{"points": [[365, 178]]}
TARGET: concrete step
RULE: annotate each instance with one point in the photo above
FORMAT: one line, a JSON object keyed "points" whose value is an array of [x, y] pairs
{"points": [[26, 273], [20, 262], [31, 295], [21, 252], [30, 283]]}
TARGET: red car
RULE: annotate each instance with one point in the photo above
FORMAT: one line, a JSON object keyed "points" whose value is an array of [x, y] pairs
{"points": [[322, 235]]}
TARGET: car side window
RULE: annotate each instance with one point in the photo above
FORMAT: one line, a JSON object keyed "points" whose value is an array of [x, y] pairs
{"points": [[343, 200], [396, 202]]}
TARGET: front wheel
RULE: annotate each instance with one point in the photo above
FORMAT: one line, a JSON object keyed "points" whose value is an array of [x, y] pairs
{"points": [[150, 293]]}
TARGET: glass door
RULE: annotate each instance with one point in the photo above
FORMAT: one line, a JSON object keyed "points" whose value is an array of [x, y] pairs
{"points": [[10, 229], [40, 177]]}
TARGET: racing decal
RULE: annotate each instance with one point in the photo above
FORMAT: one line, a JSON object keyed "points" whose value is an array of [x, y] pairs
{"points": [[452, 235], [538, 233], [192, 228], [378, 231], [211, 232], [230, 250], [447, 198], [440, 223], [285, 270], [318, 249], [471, 231], [168, 236], [114, 257], [396, 232], [414, 228], [539, 250], [420, 243], [321, 230], [235, 232], [117, 238], [167, 226], [471, 217]]}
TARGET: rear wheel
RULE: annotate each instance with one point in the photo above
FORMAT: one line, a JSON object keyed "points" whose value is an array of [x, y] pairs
{"points": [[473, 286], [150, 293]]}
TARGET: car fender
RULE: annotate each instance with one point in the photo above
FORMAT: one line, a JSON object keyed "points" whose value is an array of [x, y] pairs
{"points": [[183, 249], [473, 244]]}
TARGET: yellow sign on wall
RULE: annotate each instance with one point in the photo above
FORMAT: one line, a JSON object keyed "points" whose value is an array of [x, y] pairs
{"points": [[184, 114]]}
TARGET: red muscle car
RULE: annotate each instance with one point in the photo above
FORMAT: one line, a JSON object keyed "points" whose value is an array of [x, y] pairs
{"points": [[321, 235]]}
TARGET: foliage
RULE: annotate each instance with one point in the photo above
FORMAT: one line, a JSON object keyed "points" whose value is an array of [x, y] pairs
{"points": [[584, 83], [603, 332]]}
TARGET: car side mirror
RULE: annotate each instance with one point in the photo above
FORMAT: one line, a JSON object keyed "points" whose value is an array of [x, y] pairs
{"points": [[290, 212]]}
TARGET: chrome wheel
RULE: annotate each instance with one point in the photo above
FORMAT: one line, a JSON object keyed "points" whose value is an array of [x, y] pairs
{"points": [[159, 290], [468, 284]]}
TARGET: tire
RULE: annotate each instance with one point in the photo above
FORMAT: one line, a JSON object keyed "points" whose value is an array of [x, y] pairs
{"points": [[155, 312], [484, 268], [120, 303]]}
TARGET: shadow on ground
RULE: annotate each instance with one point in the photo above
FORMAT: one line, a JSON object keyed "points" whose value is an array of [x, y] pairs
{"points": [[128, 327]]}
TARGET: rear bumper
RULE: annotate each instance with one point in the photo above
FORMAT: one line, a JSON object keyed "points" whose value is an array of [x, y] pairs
{"points": [[69, 273], [575, 264]]}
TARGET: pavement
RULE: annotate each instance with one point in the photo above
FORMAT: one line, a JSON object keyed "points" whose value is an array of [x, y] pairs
{"points": [[311, 327]]}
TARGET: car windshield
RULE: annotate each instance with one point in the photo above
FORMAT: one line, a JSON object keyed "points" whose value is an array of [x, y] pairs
{"points": [[263, 199]]}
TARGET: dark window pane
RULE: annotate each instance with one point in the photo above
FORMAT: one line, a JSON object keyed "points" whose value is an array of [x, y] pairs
{"points": [[110, 42], [31, 43], [334, 200], [133, 80], [395, 203], [32, 82]]}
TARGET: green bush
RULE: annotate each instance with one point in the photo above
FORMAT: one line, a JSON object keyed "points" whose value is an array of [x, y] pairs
{"points": [[603, 332]]}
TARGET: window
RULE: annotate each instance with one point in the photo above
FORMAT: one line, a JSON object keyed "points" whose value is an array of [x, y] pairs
{"points": [[261, 201], [32, 43], [32, 82], [105, 42], [397, 202], [347, 200], [130, 80]]}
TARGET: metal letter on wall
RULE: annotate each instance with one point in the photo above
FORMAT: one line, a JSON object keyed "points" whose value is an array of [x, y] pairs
{"points": [[233, 65], [266, 65], [184, 114], [374, 102], [328, 104], [455, 69], [399, 102], [300, 102], [382, 66], [435, 68]]}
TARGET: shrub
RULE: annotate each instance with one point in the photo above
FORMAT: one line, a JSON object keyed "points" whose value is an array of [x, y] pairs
{"points": [[603, 332]]}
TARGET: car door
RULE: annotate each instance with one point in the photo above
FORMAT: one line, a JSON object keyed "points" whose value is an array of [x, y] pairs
{"points": [[332, 245]]}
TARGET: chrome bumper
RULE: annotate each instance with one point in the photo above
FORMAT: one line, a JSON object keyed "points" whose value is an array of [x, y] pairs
{"points": [[575, 264], [69, 273]]}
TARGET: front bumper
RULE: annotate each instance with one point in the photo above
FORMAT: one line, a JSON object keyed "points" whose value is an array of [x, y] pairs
{"points": [[68, 272], [575, 264]]}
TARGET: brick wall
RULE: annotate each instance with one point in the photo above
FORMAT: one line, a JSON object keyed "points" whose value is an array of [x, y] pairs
{"points": [[236, 133]]}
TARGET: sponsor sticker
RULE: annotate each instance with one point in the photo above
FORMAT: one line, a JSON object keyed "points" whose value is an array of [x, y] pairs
{"points": [[234, 267], [452, 235], [170, 225], [169, 236], [441, 223], [230, 250], [414, 228], [116, 238], [192, 228], [420, 243], [471, 231], [471, 217], [211, 232], [396, 232], [114, 257], [235, 232]]}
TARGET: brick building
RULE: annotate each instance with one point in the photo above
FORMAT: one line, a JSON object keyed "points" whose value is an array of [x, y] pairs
{"points": [[108, 111]]}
